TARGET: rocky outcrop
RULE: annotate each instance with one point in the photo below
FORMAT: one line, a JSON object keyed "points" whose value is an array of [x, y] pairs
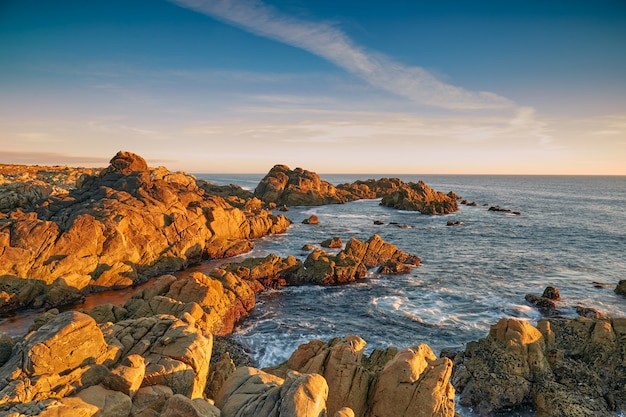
{"points": [[118, 228], [563, 367], [215, 303], [297, 187], [371, 189], [388, 383], [621, 287], [547, 303], [420, 197], [22, 185], [353, 262]]}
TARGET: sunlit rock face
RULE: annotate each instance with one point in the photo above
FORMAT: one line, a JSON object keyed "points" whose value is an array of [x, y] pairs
{"points": [[118, 228], [297, 187]]}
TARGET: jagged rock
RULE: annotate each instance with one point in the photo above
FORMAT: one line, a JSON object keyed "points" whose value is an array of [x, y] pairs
{"points": [[55, 407], [105, 313], [271, 271], [564, 367], [551, 293], [621, 287], [414, 383], [420, 197], [387, 383], [546, 305], [588, 312], [215, 303], [252, 392], [118, 228], [353, 262], [371, 189], [332, 243], [297, 187], [176, 352], [313, 219]]}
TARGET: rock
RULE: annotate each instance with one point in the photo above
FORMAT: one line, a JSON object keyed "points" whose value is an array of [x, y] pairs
{"points": [[215, 303], [43, 319], [378, 222], [284, 208], [181, 406], [551, 293], [311, 220], [420, 197], [387, 383], [545, 305], [504, 210], [299, 187], [251, 392], [588, 312], [564, 367], [621, 287], [371, 189], [177, 354], [110, 403], [308, 247], [414, 383], [353, 262], [271, 271], [55, 407], [6, 347], [218, 374], [122, 226], [128, 376], [454, 223], [150, 400], [344, 412], [332, 243]]}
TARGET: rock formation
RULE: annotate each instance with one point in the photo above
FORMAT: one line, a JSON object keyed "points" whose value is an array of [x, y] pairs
{"points": [[420, 197], [353, 262], [118, 228], [563, 367], [297, 187], [388, 383], [22, 185], [621, 287]]}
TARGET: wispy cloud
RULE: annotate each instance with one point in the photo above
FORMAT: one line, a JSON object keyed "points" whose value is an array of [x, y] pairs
{"points": [[333, 45]]}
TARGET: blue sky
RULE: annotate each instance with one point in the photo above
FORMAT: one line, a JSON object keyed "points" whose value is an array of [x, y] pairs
{"points": [[481, 87]]}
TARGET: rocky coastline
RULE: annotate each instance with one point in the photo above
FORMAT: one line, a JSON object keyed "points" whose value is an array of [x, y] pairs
{"points": [[165, 352]]}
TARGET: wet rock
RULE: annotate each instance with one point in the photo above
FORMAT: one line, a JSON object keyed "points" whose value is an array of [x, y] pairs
{"points": [[378, 222], [332, 243], [503, 210], [454, 223], [313, 219], [547, 302], [308, 247], [588, 312], [551, 293], [353, 262], [621, 287]]}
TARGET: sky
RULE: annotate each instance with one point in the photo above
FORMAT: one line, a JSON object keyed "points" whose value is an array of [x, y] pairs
{"points": [[332, 86]]}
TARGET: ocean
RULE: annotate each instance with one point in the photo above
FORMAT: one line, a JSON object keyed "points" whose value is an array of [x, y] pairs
{"points": [[571, 234]]}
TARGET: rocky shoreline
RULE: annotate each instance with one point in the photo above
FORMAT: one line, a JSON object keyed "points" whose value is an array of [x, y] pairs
{"points": [[166, 351]]}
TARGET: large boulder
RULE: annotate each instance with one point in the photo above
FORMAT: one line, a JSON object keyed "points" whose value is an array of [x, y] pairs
{"points": [[118, 228], [564, 367], [297, 187], [252, 392]]}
